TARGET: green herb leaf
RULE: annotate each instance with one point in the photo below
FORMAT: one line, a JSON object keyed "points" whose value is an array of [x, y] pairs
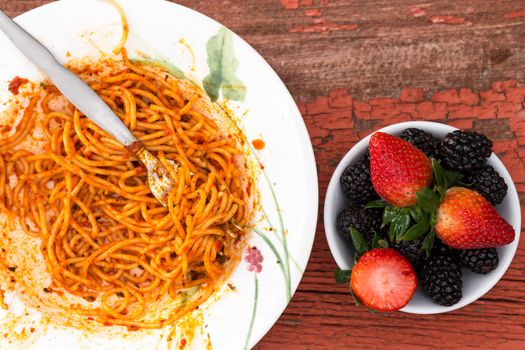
{"points": [[389, 214], [375, 241], [401, 224], [404, 210], [444, 178], [439, 180], [433, 218], [378, 203], [342, 276], [428, 243], [382, 243], [451, 178], [428, 200], [359, 241], [222, 65], [440, 190], [416, 231], [417, 214], [392, 233]]}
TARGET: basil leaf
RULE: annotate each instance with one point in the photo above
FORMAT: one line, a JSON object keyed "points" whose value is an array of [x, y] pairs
{"points": [[416, 231], [378, 203], [428, 200], [359, 241], [342, 276], [428, 243], [389, 214]]}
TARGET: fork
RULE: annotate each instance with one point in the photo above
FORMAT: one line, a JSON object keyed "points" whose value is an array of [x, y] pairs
{"points": [[89, 103]]}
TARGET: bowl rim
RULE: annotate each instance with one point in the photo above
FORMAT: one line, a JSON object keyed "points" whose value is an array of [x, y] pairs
{"points": [[331, 231]]}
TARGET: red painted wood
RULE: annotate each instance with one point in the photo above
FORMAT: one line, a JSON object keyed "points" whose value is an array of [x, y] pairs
{"points": [[347, 64]]}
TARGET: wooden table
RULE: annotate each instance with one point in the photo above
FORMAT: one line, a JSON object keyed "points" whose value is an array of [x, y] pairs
{"points": [[340, 59]]}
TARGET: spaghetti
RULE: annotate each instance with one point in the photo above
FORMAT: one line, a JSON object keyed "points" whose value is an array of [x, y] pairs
{"points": [[105, 238]]}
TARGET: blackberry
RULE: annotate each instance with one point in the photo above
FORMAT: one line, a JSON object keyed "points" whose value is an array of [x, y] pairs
{"points": [[441, 279], [356, 182], [488, 183], [465, 151], [423, 140], [479, 260], [366, 221], [411, 250], [441, 248]]}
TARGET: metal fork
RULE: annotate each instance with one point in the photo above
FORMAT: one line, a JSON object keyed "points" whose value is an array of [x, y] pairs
{"points": [[89, 103]]}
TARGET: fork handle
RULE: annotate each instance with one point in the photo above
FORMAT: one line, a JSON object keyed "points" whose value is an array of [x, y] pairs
{"points": [[71, 86]]}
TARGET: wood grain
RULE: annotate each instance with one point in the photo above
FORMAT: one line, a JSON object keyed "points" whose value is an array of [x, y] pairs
{"points": [[333, 54]]}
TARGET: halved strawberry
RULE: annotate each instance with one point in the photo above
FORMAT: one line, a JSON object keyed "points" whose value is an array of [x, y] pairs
{"points": [[383, 279], [398, 169], [466, 220]]}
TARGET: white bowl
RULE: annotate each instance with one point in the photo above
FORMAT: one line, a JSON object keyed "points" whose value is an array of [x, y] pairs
{"points": [[474, 285]]}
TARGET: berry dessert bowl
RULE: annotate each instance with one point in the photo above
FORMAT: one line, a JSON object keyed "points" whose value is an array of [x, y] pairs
{"points": [[489, 261]]}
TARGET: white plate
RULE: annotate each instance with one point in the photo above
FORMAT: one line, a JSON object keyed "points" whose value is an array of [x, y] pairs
{"points": [[76, 29]]}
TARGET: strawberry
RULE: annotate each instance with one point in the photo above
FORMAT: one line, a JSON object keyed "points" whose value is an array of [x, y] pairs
{"points": [[383, 279], [466, 220], [398, 169]]}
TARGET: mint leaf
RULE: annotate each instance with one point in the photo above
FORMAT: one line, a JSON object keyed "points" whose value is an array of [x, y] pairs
{"points": [[433, 218], [404, 210], [378, 203], [416, 213], [389, 214], [428, 200], [401, 224], [382, 243], [443, 178], [428, 243], [342, 276], [359, 241], [375, 241], [379, 242], [439, 180], [451, 178], [416, 231]]}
